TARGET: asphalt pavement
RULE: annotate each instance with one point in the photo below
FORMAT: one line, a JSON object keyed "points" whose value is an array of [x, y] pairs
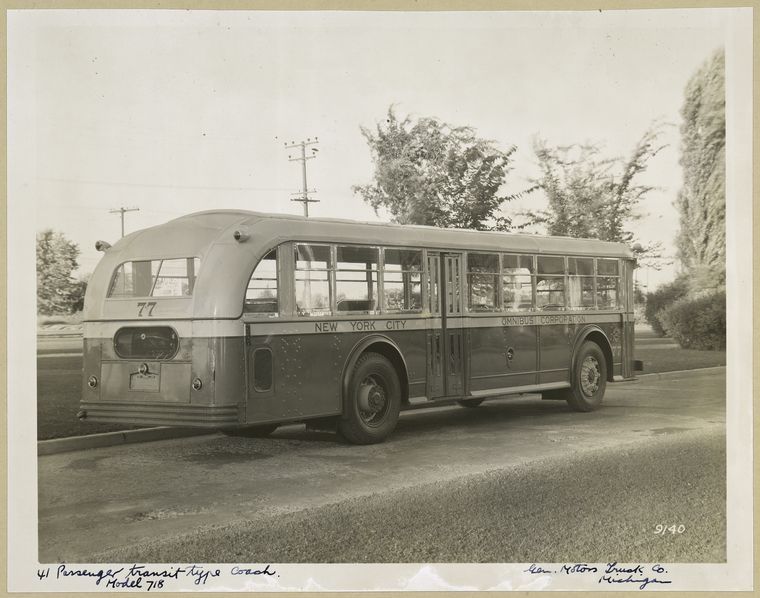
{"points": [[451, 484]]}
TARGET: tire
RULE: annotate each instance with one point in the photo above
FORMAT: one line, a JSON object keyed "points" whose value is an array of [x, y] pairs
{"points": [[373, 401], [259, 431], [470, 403], [589, 378]]}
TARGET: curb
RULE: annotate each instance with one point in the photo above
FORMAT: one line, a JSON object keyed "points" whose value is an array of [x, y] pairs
{"points": [[105, 439], [677, 373]]}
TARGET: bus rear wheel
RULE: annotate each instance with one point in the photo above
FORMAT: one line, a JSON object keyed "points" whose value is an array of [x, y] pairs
{"points": [[589, 378], [373, 401]]}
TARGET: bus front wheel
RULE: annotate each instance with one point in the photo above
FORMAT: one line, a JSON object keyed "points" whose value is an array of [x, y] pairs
{"points": [[589, 378], [373, 401]]}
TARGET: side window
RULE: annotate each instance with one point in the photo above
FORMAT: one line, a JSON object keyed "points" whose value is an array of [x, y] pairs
{"points": [[433, 283], [402, 280], [482, 281], [550, 282], [607, 284], [580, 283], [356, 277], [261, 294], [517, 282], [312, 279]]}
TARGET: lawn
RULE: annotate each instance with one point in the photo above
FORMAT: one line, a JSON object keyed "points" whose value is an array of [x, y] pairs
{"points": [[59, 388], [664, 355]]}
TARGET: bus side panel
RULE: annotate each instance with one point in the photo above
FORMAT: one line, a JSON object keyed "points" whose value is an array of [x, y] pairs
{"points": [[306, 372], [554, 353], [614, 332], [225, 366], [413, 346], [502, 356]]}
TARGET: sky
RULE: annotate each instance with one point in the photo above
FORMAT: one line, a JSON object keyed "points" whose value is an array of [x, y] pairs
{"points": [[173, 112]]}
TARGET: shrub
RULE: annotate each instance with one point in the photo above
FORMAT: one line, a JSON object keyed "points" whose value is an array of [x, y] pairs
{"points": [[663, 298], [698, 323]]}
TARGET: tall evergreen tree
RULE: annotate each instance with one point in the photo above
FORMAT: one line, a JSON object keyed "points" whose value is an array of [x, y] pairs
{"points": [[429, 172], [701, 203]]}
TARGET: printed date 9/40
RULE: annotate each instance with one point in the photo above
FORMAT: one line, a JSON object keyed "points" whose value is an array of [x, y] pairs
{"points": [[673, 530]]}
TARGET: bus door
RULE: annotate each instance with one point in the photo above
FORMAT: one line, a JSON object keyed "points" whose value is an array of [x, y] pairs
{"points": [[446, 344]]}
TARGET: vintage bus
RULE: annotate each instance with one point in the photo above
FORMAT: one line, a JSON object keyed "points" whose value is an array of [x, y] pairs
{"points": [[244, 321]]}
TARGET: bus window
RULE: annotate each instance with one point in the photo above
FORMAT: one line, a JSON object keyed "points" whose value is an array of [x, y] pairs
{"points": [[402, 280], [482, 281], [155, 278], [550, 283], [580, 283], [312, 273], [176, 278], [356, 279], [261, 294], [607, 277], [517, 281]]}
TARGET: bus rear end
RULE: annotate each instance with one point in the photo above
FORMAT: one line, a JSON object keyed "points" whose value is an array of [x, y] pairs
{"points": [[148, 360]]}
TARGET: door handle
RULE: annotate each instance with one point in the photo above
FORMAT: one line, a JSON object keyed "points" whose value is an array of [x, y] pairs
{"points": [[510, 353]]}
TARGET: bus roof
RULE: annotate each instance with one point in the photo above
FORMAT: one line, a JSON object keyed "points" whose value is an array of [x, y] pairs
{"points": [[226, 264], [352, 231]]}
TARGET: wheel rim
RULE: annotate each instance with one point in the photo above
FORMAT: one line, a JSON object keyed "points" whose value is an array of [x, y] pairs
{"points": [[590, 376], [373, 400]]}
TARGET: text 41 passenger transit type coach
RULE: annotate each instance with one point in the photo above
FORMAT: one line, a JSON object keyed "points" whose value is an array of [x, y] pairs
{"points": [[244, 321]]}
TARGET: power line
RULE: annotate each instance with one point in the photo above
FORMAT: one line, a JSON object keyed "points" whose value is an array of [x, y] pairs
{"points": [[158, 186], [121, 211], [303, 196]]}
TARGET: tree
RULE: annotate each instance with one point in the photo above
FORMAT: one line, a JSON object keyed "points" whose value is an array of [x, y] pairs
{"points": [[57, 291], [429, 172], [589, 195], [701, 203]]}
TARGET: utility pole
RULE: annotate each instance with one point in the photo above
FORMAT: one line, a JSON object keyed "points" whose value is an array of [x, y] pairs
{"points": [[121, 211], [303, 196]]}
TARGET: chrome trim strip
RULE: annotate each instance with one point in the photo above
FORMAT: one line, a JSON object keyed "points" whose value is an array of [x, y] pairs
{"points": [[274, 326], [519, 389]]}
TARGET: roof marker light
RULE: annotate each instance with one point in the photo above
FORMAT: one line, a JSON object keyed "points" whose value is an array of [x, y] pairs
{"points": [[241, 235]]}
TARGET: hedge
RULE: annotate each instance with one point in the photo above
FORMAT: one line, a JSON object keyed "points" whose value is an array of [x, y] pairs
{"points": [[698, 323], [663, 298]]}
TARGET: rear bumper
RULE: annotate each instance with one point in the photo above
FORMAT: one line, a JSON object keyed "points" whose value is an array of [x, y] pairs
{"points": [[159, 414]]}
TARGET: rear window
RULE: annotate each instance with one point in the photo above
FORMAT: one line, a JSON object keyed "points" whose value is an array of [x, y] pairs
{"points": [[146, 342], [155, 278]]}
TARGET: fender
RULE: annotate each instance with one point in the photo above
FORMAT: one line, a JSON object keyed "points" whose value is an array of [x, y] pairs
{"points": [[606, 347], [362, 346]]}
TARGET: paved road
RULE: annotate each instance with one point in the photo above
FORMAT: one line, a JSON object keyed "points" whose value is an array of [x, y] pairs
{"points": [[653, 454]]}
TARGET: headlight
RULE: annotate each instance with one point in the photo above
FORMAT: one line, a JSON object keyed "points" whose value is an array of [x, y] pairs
{"points": [[197, 384], [92, 381]]}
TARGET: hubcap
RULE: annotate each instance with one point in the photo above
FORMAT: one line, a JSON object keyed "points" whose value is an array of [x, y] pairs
{"points": [[590, 375], [373, 402]]}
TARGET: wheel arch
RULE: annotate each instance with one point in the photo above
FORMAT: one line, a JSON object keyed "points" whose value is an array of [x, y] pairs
{"points": [[383, 346], [597, 335]]}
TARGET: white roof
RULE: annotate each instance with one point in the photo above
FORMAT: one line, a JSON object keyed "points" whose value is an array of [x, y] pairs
{"points": [[226, 264]]}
